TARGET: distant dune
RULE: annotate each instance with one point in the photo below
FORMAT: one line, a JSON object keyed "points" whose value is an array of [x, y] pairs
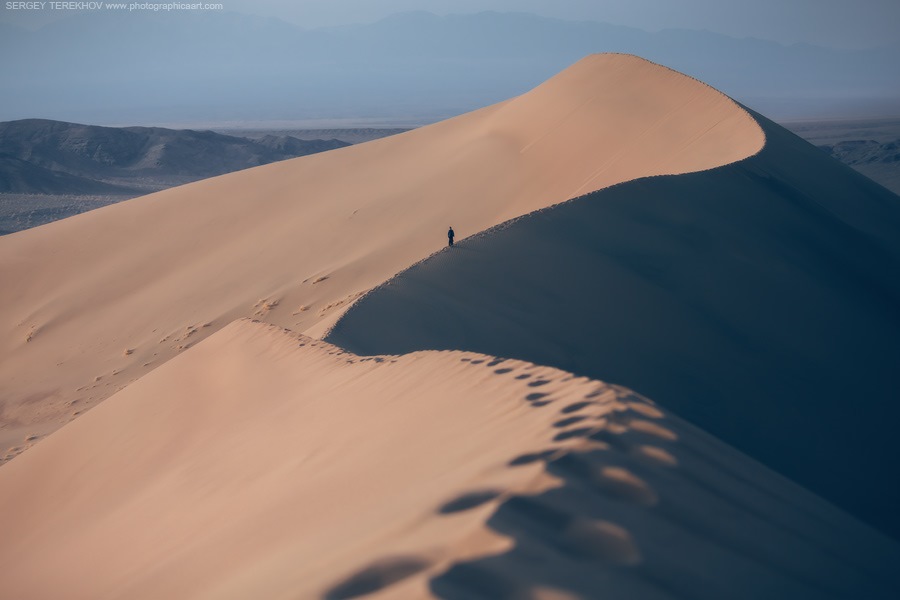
{"points": [[620, 217]]}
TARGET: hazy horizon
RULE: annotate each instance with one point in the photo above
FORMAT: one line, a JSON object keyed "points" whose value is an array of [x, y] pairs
{"points": [[828, 23], [348, 63]]}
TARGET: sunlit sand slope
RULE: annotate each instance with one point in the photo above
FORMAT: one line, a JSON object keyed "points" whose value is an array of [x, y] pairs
{"points": [[95, 301], [262, 464]]}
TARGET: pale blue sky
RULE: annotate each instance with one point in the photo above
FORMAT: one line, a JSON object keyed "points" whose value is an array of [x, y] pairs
{"points": [[840, 23], [835, 23], [115, 69]]}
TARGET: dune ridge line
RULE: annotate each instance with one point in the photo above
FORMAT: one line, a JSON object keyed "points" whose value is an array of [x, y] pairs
{"points": [[104, 297]]}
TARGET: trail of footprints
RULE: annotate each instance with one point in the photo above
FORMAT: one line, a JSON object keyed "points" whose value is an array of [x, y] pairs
{"points": [[28, 441], [607, 418]]}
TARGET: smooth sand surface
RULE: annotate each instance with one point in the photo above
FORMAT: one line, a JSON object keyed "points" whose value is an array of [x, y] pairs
{"points": [[263, 464], [100, 299]]}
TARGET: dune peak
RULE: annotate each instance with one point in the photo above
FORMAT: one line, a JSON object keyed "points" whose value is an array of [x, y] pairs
{"points": [[104, 297]]}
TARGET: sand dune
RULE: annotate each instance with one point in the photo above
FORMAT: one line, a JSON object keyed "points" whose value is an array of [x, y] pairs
{"points": [[757, 300], [261, 464], [102, 298], [225, 457]]}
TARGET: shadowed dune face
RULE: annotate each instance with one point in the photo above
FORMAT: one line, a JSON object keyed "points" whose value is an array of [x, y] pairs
{"points": [[758, 300], [262, 464], [295, 243]]}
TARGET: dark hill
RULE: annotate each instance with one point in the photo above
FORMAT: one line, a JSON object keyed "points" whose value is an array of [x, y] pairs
{"points": [[19, 176], [878, 160], [111, 155], [51, 170]]}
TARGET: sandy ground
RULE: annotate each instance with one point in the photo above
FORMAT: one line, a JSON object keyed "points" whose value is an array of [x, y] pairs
{"points": [[266, 464], [220, 455], [103, 298]]}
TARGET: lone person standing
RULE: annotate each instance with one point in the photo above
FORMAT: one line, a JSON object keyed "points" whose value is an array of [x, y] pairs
{"points": [[450, 235]]}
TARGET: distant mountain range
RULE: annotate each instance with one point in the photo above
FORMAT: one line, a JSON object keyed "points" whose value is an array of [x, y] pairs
{"points": [[113, 67], [877, 161], [51, 157], [50, 170], [864, 152]]}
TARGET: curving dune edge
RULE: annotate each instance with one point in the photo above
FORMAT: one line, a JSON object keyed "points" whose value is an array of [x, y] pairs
{"points": [[225, 451], [105, 297], [266, 464]]}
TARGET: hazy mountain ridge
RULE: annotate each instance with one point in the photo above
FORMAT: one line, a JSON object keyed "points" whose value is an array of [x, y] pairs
{"points": [[56, 157], [856, 152], [409, 63], [50, 170], [21, 176], [879, 161]]}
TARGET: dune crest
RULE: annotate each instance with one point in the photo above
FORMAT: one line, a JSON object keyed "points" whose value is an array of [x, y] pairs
{"points": [[261, 463], [755, 300], [100, 299]]}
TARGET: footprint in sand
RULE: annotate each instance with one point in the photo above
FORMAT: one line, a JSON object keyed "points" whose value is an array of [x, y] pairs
{"points": [[622, 484], [577, 536], [573, 433], [646, 410], [569, 421], [612, 439], [652, 429], [654, 455], [532, 457], [602, 391], [538, 383], [468, 580], [377, 576], [602, 540], [468, 501], [575, 407]]}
